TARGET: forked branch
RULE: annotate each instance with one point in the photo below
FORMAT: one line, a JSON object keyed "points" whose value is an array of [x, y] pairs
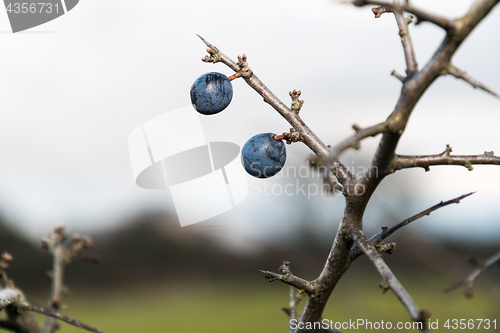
{"points": [[389, 279], [386, 232], [18, 308], [385, 161], [63, 256], [422, 15], [354, 140], [287, 277], [469, 281]]}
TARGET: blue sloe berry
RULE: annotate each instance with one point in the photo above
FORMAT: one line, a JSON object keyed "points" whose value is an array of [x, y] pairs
{"points": [[263, 156], [211, 93]]}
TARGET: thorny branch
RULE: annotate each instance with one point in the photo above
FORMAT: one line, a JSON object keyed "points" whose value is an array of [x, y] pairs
{"points": [[422, 16], [358, 192], [389, 279], [18, 308], [386, 232], [445, 158], [13, 298], [354, 141], [56, 315], [63, 256], [460, 74], [287, 277], [382, 164], [308, 136], [481, 267]]}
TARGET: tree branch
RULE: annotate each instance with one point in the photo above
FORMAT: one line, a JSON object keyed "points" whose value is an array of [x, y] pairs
{"points": [[411, 68], [409, 51], [398, 76], [13, 298], [383, 163], [460, 74], [308, 136], [295, 299], [413, 89], [422, 15], [56, 247], [386, 232], [53, 314], [290, 279], [445, 158], [18, 308], [63, 256], [471, 278], [389, 279], [354, 140]]}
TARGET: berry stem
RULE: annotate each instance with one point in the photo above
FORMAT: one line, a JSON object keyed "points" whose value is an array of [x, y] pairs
{"points": [[235, 76], [279, 137]]}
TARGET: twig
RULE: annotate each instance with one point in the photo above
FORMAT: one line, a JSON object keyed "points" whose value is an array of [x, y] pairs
{"points": [[63, 256], [398, 76], [460, 74], [14, 298], [422, 15], [409, 51], [48, 312], [386, 232], [308, 136], [57, 249], [445, 158], [390, 279], [471, 278], [294, 302], [354, 140], [290, 279], [378, 11]]}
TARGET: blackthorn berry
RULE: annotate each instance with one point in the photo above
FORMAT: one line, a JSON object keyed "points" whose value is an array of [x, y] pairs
{"points": [[263, 156], [211, 93]]}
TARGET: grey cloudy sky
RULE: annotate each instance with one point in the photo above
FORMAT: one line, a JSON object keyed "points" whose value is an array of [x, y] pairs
{"points": [[74, 88]]}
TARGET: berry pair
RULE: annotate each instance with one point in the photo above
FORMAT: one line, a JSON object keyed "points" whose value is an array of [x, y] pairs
{"points": [[262, 156]]}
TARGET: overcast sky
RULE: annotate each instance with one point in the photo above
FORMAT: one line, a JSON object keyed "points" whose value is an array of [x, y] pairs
{"points": [[74, 89]]}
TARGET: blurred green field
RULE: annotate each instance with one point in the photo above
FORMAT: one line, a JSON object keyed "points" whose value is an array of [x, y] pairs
{"points": [[255, 306]]}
